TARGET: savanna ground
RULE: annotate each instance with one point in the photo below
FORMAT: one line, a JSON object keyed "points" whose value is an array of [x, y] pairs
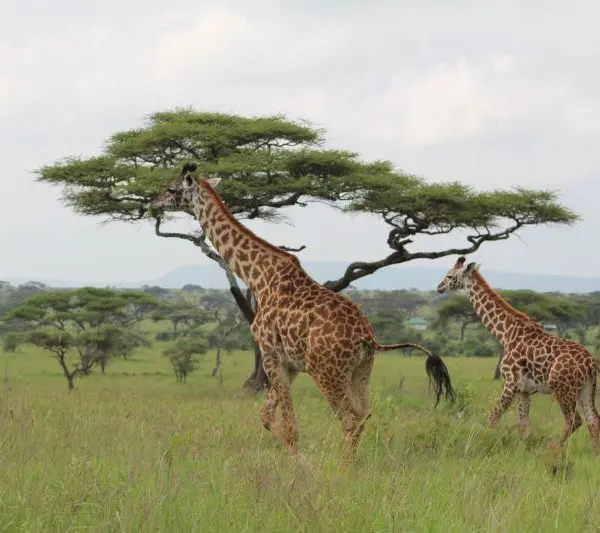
{"points": [[135, 451]]}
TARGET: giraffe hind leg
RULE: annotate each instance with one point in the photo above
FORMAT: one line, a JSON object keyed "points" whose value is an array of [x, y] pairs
{"points": [[573, 419], [336, 391], [587, 400], [358, 388], [358, 396]]}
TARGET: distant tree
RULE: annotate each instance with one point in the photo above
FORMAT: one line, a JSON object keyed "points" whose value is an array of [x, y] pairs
{"points": [[11, 342], [557, 309], [32, 286], [410, 301], [590, 314], [183, 355], [456, 309], [389, 326], [271, 163], [225, 328], [216, 299], [83, 327], [181, 313], [190, 287], [110, 341], [156, 291]]}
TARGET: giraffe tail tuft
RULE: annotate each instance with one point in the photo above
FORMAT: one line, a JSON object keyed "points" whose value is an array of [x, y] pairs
{"points": [[436, 369], [439, 377]]}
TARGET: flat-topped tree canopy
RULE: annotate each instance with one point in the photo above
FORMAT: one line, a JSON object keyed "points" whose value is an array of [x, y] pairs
{"points": [[267, 163], [270, 163]]}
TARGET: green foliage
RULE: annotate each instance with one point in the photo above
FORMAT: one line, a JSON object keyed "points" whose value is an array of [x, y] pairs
{"points": [[269, 163], [416, 205], [389, 327], [93, 325], [560, 310], [181, 313], [11, 341], [458, 308], [106, 341], [183, 355]]}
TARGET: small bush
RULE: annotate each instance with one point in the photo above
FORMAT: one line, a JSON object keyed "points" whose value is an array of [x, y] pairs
{"points": [[11, 342]]}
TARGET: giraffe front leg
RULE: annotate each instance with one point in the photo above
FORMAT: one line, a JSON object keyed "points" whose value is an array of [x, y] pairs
{"points": [[508, 393], [524, 405]]}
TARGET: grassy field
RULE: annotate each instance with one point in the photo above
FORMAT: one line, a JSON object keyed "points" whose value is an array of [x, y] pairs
{"points": [[135, 451]]}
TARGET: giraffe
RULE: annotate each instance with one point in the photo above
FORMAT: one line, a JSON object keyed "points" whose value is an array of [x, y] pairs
{"points": [[533, 360], [300, 326]]}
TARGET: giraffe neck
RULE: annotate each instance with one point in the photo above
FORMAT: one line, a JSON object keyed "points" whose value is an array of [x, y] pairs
{"points": [[496, 314], [255, 261]]}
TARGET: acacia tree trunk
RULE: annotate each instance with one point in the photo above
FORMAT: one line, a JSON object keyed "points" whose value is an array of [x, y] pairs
{"points": [[60, 356], [258, 380], [218, 371]]}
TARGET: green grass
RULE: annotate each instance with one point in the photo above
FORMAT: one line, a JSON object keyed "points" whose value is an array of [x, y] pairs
{"points": [[135, 451]]}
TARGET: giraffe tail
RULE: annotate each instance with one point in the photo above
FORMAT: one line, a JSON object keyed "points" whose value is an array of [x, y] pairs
{"points": [[436, 369]]}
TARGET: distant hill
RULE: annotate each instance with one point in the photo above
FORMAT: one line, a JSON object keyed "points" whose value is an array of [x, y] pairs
{"points": [[400, 277], [394, 277]]}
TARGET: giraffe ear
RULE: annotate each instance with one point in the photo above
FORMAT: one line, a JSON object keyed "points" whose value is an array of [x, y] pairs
{"points": [[471, 267], [214, 182]]}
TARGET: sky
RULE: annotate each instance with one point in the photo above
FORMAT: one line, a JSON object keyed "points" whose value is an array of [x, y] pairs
{"points": [[494, 97]]}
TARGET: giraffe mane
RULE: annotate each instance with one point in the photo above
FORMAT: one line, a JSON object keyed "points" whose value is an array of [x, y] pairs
{"points": [[215, 196], [507, 307]]}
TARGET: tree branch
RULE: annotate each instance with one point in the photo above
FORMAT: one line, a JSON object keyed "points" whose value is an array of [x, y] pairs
{"points": [[359, 270]]}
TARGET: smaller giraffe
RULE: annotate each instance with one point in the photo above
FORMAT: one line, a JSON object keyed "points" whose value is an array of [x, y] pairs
{"points": [[533, 360]]}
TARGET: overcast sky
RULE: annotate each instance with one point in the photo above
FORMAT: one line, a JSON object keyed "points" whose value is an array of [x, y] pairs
{"points": [[493, 97]]}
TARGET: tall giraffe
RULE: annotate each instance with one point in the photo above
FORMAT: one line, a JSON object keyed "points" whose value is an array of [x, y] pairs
{"points": [[533, 360], [300, 326]]}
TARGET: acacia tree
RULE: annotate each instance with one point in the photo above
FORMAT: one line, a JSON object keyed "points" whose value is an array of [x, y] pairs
{"points": [[271, 163], [557, 309], [225, 327], [181, 313], [183, 355], [83, 327], [458, 309]]}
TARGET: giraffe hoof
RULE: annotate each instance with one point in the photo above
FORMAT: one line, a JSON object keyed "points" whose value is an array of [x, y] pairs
{"points": [[267, 427]]}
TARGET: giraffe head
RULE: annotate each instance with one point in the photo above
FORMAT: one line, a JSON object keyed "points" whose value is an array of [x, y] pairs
{"points": [[459, 277], [181, 193]]}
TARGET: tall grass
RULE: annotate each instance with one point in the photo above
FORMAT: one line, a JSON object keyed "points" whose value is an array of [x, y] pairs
{"points": [[135, 451]]}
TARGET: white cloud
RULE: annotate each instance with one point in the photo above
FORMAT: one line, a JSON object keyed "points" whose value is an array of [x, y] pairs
{"points": [[451, 101], [438, 89], [205, 41], [504, 64]]}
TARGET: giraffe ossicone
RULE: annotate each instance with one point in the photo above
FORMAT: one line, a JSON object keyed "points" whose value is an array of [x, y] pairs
{"points": [[532, 360], [300, 326]]}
